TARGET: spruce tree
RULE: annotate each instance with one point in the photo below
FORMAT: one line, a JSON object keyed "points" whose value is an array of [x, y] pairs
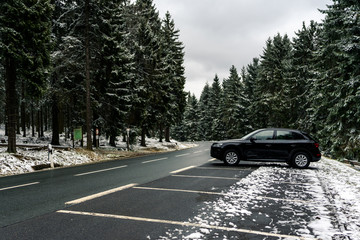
{"points": [[206, 116], [338, 79], [173, 97], [216, 110], [250, 77], [273, 84], [233, 110], [24, 49], [302, 77], [146, 50]]}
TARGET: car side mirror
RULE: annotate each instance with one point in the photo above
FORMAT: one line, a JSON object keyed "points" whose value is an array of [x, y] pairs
{"points": [[252, 139]]}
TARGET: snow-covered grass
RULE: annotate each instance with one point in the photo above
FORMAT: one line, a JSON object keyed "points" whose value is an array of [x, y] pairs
{"points": [[321, 202], [27, 159]]}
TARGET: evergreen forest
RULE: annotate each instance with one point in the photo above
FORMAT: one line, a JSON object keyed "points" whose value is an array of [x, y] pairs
{"points": [[310, 82], [116, 64], [109, 65]]}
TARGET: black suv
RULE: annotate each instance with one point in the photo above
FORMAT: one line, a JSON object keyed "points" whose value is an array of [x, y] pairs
{"points": [[270, 145]]}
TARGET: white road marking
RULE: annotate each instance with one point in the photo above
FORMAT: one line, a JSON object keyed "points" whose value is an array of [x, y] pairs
{"points": [[97, 195], [198, 152], [220, 193], [180, 190], [19, 186], [181, 155], [188, 224], [221, 168], [191, 176], [213, 159], [102, 170], [155, 160], [182, 169]]}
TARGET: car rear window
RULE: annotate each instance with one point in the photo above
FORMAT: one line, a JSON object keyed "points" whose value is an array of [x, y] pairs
{"points": [[309, 137], [288, 135]]}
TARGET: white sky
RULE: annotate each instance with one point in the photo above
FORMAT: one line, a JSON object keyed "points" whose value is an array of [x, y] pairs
{"points": [[220, 33]]}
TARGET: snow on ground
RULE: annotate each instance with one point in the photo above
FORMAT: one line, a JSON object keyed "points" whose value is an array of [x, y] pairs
{"points": [[27, 159], [321, 202]]}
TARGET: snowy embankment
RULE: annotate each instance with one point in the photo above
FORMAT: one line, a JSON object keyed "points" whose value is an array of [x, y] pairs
{"points": [[30, 159], [322, 202]]}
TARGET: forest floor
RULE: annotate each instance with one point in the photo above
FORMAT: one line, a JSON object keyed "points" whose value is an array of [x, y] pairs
{"points": [[32, 152]]}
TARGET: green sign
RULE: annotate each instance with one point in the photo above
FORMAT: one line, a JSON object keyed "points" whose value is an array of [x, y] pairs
{"points": [[77, 134]]}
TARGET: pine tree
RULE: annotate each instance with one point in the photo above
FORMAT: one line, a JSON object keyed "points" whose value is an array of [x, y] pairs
{"points": [[191, 123], [187, 128], [216, 110], [172, 96], [302, 77], [206, 117], [338, 79], [250, 76], [233, 110], [273, 86], [24, 49], [146, 49]]}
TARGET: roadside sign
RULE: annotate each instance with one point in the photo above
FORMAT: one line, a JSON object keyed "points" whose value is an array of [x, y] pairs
{"points": [[78, 133]]}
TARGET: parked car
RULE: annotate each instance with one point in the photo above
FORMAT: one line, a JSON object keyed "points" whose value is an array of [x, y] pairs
{"points": [[269, 145]]}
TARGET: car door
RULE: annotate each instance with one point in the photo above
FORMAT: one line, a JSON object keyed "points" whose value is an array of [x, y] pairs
{"points": [[284, 142], [257, 147]]}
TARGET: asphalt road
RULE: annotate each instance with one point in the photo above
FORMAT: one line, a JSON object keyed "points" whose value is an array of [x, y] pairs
{"points": [[153, 197], [30, 195]]}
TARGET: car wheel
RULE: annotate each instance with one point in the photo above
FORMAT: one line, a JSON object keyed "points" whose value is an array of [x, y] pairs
{"points": [[300, 160], [231, 158]]}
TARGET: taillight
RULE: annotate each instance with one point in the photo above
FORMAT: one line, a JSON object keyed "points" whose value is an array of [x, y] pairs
{"points": [[316, 145]]}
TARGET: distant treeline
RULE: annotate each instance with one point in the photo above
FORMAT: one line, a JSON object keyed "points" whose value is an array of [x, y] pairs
{"points": [[311, 82]]}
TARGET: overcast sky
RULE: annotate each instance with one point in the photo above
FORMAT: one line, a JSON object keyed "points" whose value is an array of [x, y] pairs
{"points": [[220, 33]]}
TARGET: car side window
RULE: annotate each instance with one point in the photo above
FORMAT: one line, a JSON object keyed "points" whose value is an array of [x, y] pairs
{"points": [[264, 135], [288, 135]]}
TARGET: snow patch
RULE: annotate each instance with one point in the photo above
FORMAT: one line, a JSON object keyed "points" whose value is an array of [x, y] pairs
{"points": [[320, 202]]}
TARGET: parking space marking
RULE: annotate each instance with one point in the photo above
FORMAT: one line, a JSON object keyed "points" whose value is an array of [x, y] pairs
{"points": [[182, 169], [97, 195], [180, 190], [19, 186], [213, 159], [181, 155], [155, 160], [187, 224], [191, 176], [219, 193], [198, 152], [102, 170], [220, 168]]}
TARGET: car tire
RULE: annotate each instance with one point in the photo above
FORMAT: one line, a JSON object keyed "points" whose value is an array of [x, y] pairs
{"points": [[231, 157], [300, 160]]}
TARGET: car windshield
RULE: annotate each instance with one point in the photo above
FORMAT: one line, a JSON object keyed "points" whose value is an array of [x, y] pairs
{"points": [[248, 135]]}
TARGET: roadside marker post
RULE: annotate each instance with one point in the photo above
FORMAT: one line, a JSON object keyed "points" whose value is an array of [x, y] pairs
{"points": [[50, 150]]}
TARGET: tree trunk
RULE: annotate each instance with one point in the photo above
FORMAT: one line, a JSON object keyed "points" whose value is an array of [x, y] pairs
{"points": [[167, 134], [41, 121], [38, 123], [11, 102], [87, 72], [23, 113], [55, 122], [143, 133], [32, 120], [112, 140], [161, 133]]}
